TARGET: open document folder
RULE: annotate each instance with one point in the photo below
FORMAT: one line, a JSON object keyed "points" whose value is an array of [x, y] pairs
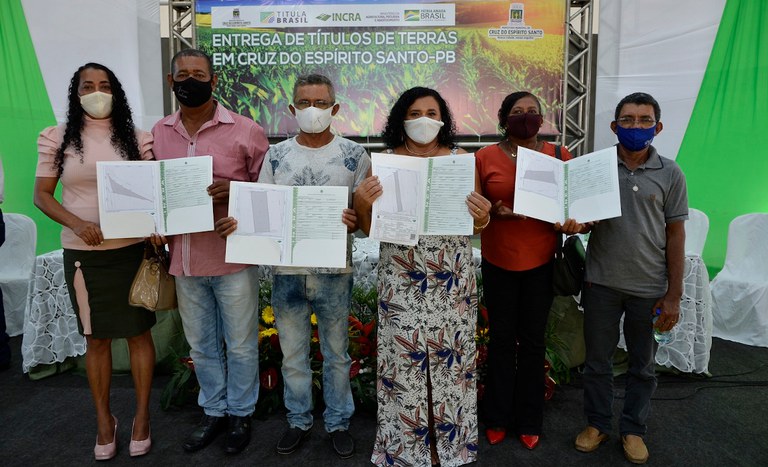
{"points": [[421, 196], [585, 188], [288, 225], [137, 198]]}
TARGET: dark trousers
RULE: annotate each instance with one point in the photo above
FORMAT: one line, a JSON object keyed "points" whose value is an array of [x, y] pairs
{"points": [[518, 306], [603, 308], [5, 349]]}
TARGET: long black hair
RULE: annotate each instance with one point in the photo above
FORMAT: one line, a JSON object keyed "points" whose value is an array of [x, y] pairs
{"points": [[394, 130], [123, 131]]}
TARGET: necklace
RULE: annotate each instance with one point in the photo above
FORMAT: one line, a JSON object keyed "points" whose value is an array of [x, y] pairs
{"points": [[430, 151], [632, 181], [508, 148]]}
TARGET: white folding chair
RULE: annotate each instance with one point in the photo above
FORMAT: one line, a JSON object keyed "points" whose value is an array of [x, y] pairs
{"points": [[740, 290], [17, 261], [696, 230]]}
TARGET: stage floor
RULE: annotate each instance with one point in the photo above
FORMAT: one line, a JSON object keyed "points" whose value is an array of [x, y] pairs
{"points": [[717, 421]]}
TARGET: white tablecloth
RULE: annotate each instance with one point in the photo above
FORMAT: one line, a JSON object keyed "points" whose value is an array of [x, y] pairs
{"points": [[50, 328], [688, 350]]}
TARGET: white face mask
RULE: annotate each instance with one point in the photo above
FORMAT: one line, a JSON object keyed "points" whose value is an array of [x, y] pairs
{"points": [[314, 120], [97, 104], [423, 130]]}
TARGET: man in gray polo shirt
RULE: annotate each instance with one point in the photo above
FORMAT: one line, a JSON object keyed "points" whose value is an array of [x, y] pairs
{"points": [[634, 268]]}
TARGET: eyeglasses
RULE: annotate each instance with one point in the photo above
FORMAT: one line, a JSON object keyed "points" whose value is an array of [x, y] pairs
{"points": [[629, 122], [305, 103]]}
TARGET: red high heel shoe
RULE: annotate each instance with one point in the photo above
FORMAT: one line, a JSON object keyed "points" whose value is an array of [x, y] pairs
{"points": [[495, 435], [529, 441]]}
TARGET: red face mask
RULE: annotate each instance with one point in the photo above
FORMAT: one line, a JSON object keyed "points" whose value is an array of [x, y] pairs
{"points": [[524, 126]]}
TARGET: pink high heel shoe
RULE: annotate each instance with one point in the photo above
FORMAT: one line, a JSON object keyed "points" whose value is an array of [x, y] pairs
{"points": [[105, 452], [139, 448]]}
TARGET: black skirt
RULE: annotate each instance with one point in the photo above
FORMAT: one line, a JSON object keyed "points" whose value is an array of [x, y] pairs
{"points": [[103, 287]]}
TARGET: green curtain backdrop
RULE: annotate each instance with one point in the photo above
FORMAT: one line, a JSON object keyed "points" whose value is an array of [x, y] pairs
{"points": [[24, 110], [724, 153]]}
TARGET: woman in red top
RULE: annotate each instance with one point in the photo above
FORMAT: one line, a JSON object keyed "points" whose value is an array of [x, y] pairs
{"points": [[517, 278]]}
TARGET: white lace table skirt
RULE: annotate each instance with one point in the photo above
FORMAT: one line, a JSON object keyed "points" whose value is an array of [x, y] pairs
{"points": [[688, 350], [50, 328]]}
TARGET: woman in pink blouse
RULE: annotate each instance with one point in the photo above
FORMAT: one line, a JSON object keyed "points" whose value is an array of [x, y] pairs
{"points": [[99, 272]]}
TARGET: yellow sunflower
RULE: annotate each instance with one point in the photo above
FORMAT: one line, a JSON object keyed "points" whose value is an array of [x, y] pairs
{"points": [[267, 315], [267, 332]]}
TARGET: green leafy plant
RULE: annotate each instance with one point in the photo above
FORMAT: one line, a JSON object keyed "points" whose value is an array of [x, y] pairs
{"points": [[182, 388]]}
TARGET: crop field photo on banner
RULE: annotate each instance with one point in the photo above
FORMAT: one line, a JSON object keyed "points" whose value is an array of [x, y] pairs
{"points": [[473, 52]]}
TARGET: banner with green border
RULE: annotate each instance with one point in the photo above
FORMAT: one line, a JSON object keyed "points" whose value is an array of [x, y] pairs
{"points": [[473, 52]]}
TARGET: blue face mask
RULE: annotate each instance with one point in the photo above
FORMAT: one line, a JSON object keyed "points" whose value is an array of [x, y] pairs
{"points": [[635, 139]]}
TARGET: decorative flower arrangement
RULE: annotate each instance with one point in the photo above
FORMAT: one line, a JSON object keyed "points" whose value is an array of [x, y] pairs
{"points": [[362, 349]]}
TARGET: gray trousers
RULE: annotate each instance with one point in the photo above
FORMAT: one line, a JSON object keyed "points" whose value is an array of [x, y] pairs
{"points": [[603, 308]]}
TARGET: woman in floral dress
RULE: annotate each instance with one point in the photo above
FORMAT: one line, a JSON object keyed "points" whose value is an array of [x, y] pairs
{"points": [[427, 399]]}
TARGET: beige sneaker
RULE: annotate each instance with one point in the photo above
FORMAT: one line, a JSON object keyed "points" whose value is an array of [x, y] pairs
{"points": [[589, 439], [634, 449]]}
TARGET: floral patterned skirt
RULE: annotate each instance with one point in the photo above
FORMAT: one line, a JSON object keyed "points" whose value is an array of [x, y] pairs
{"points": [[427, 320]]}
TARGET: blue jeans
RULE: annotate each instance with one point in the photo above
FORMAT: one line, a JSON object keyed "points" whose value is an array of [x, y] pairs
{"points": [[294, 298], [603, 308], [220, 318]]}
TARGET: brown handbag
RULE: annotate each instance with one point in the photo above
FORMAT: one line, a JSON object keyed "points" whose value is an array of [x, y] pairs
{"points": [[153, 287]]}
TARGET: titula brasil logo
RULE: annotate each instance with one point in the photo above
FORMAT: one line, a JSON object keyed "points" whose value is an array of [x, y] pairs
{"points": [[267, 17]]}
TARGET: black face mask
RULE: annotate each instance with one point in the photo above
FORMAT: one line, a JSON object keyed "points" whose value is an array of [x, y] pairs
{"points": [[191, 92], [525, 125]]}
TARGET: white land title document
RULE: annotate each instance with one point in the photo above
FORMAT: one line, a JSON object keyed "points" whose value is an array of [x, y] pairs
{"points": [[585, 188], [169, 197], [421, 196], [288, 225]]}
